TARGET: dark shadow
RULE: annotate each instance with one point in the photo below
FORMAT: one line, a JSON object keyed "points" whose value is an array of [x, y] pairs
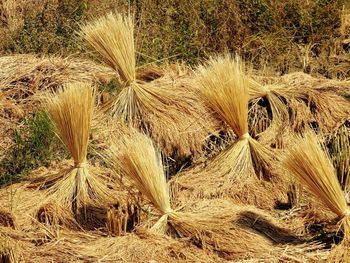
{"points": [[326, 232], [251, 220], [149, 73], [6, 219], [292, 200]]}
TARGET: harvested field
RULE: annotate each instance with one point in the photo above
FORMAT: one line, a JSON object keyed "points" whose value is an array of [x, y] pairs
{"points": [[106, 159]]}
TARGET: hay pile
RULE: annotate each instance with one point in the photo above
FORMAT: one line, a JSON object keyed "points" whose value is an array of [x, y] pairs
{"points": [[22, 76]]}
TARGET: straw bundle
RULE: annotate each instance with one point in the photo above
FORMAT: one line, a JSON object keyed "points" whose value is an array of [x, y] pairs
{"points": [[71, 110], [309, 163], [164, 109], [211, 228], [112, 36], [224, 87]]}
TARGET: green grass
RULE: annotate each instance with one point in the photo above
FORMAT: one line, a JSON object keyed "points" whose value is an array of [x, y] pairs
{"points": [[35, 145]]}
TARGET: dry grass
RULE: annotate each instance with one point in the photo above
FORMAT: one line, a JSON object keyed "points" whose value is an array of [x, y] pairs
{"points": [[274, 94], [297, 101], [71, 110], [339, 148], [6, 219], [309, 163], [9, 14], [8, 253], [24, 77], [322, 97], [112, 36], [116, 47], [345, 21], [148, 175], [223, 85]]}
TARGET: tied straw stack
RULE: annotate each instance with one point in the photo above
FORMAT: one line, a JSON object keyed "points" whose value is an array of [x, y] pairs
{"points": [[309, 163], [223, 86], [170, 113], [112, 36], [137, 159], [71, 109]]}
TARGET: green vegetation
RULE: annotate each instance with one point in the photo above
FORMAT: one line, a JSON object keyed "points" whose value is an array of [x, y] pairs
{"points": [[35, 145], [264, 32], [49, 30]]}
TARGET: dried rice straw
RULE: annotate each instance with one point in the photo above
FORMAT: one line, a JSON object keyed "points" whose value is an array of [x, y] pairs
{"points": [[326, 108], [136, 158], [275, 95], [8, 253], [223, 86], [170, 114], [112, 36], [7, 219], [310, 164], [71, 109]]}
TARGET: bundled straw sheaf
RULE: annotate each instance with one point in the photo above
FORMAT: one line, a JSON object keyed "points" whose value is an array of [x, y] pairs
{"points": [[224, 88], [211, 225], [112, 36], [136, 158], [117, 47], [71, 109], [310, 164], [169, 114]]}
